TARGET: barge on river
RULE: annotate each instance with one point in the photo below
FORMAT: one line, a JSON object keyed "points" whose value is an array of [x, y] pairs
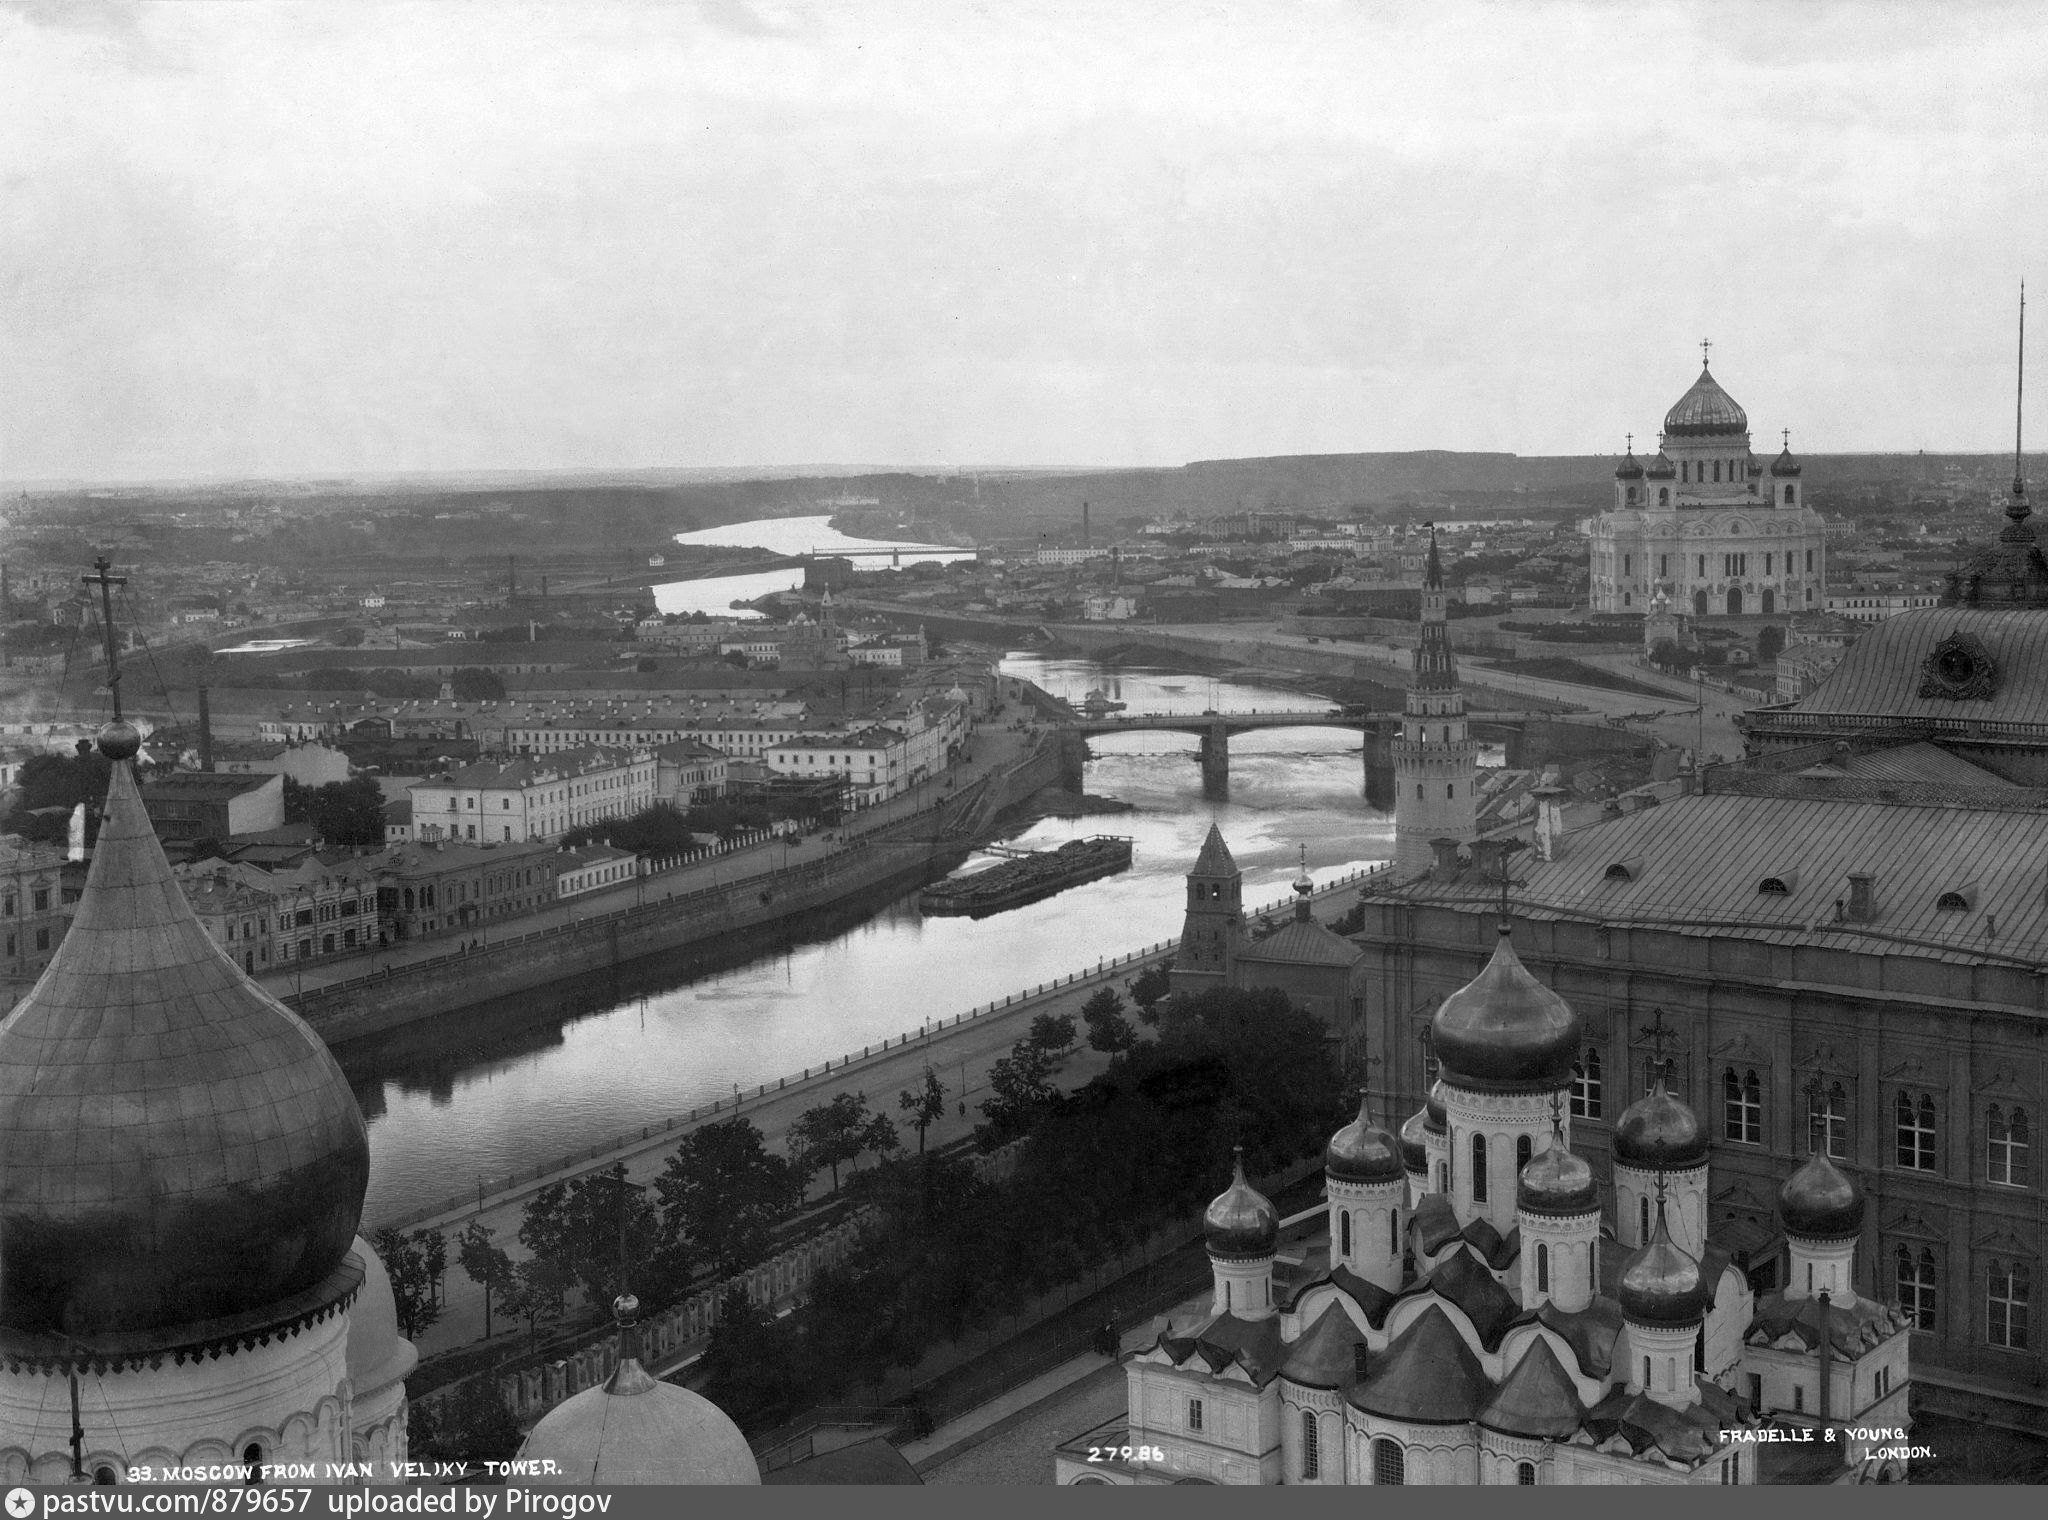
{"points": [[1028, 877]]}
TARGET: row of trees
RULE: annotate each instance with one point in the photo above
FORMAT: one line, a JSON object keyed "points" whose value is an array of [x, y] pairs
{"points": [[1145, 1143]]}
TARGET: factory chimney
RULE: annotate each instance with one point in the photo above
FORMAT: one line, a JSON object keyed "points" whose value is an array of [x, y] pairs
{"points": [[205, 732], [1084, 525]]}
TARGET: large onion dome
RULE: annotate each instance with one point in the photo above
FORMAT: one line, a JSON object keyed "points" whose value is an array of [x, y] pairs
{"points": [[1414, 1148], [1363, 1152], [1820, 1201], [1557, 1182], [1241, 1221], [1661, 1284], [1705, 411], [1506, 1031], [1659, 1131], [633, 1429], [175, 1144]]}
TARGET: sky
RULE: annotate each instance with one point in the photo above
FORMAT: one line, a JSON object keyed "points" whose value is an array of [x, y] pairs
{"points": [[266, 239]]}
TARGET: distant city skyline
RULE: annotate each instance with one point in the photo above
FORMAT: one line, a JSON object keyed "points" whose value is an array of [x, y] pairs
{"points": [[281, 241]]}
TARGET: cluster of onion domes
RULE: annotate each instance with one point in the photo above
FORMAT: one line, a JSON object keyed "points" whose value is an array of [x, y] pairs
{"points": [[1661, 1284], [1660, 1132]]}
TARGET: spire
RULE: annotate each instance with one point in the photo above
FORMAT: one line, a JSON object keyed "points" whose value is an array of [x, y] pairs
{"points": [[1434, 667], [1304, 885], [1433, 576], [2019, 478]]}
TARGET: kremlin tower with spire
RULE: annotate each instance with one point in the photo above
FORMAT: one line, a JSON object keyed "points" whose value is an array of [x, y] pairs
{"points": [[1436, 759]]}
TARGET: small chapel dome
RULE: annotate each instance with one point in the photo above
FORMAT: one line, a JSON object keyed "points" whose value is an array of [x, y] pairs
{"points": [[1506, 1031], [1705, 410], [1660, 1131], [1820, 1201], [1415, 1149], [1785, 464], [1363, 1152], [1240, 1220], [633, 1429], [1630, 468], [1558, 1182], [1660, 1283]]}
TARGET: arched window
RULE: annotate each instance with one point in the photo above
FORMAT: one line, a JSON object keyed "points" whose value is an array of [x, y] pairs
{"points": [[1389, 1464], [252, 1459], [1311, 1457], [1344, 1224], [1525, 1474], [1593, 1266], [1226, 1295], [105, 1476], [1915, 1128], [1685, 472], [1394, 1233], [1646, 1372], [1586, 1085], [1914, 1279], [2008, 1300], [1717, 472], [1522, 1144], [1643, 1221], [1827, 1122], [1788, 502], [1479, 1168], [1418, 791], [1542, 1268], [1450, 788], [2006, 1142], [1742, 1107]]}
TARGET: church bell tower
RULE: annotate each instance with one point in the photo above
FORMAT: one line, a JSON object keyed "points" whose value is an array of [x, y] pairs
{"points": [[1436, 760]]}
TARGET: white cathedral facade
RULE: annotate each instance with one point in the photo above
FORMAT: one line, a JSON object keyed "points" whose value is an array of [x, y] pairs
{"points": [[1708, 524], [1476, 1311]]}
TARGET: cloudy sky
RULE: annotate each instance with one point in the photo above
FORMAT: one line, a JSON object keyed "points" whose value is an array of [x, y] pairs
{"points": [[285, 239]]}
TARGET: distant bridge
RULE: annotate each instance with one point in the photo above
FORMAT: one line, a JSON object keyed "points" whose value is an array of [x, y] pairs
{"points": [[1216, 729]]}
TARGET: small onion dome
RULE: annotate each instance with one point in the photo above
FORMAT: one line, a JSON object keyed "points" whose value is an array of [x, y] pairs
{"points": [[1435, 1117], [1506, 1031], [1241, 1221], [1662, 468], [1660, 1284], [1785, 464], [1363, 1152], [1631, 468], [633, 1429], [1558, 1182], [1415, 1149], [1660, 1132], [1820, 1201]]}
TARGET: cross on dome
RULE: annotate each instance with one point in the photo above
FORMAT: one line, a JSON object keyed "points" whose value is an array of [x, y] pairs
{"points": [[1706, 346]]}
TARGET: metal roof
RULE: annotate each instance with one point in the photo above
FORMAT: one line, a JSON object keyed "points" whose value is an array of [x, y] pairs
{"points": [[1697, 864], [1880, 676]]}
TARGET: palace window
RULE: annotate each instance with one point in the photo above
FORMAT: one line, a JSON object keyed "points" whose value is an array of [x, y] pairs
{"points": [[1586, 1085], [1735, 564], [1525, 1474], [1809, 552], [1194, 1414], [1479, 1168], [1311, 1464], [1703, 567], [1914, 1124], [1827, 1122], [1388, 1463], [1914, 1277], [2006, 1144], [1450, 789], [1522, 1147], [2009, 1296], [1742, 1107]]}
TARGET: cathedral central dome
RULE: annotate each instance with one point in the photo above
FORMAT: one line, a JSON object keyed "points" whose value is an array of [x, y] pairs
{"points": [[1504, 1030], [175, 1144], [1705, 411]]}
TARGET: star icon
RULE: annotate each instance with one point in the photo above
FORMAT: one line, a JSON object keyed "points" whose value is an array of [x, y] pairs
{"points": [[20, 1503]]}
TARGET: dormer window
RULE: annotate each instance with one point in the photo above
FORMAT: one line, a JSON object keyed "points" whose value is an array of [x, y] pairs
{"points": [[1625, 870], [1780, 885], [1961, 900]]}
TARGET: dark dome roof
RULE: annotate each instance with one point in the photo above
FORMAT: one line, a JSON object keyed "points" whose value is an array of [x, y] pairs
{"points": [[1504, 1030], [1704, 411], [1785, 464], [1240, 1220], [1662, 468], [1660, 1130], [175, 1144], [1660, 1284], [1363, 1152], [1821, 1201], [1414, 1149], [1558, 1182], [1434, 1117], [1630, 468]]}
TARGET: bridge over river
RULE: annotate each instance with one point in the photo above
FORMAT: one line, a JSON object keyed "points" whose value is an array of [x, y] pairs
{"points": [[1216, 729]]}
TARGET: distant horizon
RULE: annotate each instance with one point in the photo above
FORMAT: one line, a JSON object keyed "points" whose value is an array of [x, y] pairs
{"points": [[496, 478], [280, 242]]}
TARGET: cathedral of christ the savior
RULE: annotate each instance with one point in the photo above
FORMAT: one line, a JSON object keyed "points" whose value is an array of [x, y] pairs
{"points": [[1478, 1308], [1707, 525]]}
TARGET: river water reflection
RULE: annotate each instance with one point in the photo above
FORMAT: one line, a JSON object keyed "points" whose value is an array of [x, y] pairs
{"points": [[486, 1095]]}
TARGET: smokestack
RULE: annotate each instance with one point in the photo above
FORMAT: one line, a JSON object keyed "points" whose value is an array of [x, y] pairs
{"points": [[543, 588], [205, 732], [1084, 524], [511, 578]]}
